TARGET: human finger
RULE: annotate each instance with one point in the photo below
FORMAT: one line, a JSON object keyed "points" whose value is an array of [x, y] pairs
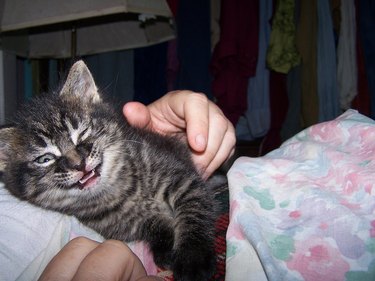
{"points": [[182, 112], [111, 260], [221, 142], [225, 151], [137, 114], [196, 114], [65, 264], [209, 133]]}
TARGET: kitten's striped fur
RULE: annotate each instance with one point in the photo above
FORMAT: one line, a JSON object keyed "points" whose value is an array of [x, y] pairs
{"points": [[73, 153]]}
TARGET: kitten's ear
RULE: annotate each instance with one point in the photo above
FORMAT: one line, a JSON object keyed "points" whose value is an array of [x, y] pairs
{"points": [[81, 84], [8, 136]]}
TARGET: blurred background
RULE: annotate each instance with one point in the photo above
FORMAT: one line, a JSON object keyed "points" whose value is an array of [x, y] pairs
{"points": [[274, 67]]}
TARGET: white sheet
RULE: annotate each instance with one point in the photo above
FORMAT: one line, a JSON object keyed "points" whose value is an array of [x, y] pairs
{"points": [[31, 236]]}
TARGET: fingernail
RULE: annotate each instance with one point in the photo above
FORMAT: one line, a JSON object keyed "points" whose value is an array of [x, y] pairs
{"points": [[200, 140]]}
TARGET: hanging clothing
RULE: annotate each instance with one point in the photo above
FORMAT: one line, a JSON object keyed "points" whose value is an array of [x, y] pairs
{"points": [[255, 123], [282, 54], [292, 124], [215, 22], [366, 21], [235, 56], [172, 57], [172, 65], [362, 101], [306, 43], [173, 6], [194, 45], [150, 65], [326, 63], [279, 109], [347, 55]]}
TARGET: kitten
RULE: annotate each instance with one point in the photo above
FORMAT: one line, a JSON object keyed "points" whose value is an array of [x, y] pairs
{"points": [[74, 153]]}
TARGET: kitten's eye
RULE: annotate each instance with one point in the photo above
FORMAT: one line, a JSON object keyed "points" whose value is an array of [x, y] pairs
{"points": [[45, 159]]}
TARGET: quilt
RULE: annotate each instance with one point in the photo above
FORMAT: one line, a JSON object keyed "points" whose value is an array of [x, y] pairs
{"points": [[306, 211]]}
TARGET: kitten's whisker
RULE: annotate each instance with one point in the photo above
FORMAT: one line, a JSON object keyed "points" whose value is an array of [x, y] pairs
{"points": [[135, 141]]}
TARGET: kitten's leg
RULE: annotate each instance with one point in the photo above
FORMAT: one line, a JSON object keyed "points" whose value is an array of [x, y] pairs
{"points": [[194, 256], [158, 232]]}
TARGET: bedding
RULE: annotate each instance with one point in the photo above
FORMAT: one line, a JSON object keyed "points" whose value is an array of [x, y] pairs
{"points": [[306, 211], [31, 236]]}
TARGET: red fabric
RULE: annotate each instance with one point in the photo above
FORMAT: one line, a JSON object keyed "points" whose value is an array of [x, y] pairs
{"points": [[172, 60], [279, 109], [235, 55], [362, 101], [221, 247], [173, 5]]}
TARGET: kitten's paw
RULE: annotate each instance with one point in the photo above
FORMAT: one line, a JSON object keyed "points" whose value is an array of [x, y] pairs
{"points": [[196, 264], [163, 258], [161, 239]]}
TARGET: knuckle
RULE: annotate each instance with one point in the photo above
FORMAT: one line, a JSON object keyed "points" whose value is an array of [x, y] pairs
{"points": [[81, 242], [221, 121], [231, 134], [116, 244], [232, 138], [202, 161], [199, 97], [210, 155]]}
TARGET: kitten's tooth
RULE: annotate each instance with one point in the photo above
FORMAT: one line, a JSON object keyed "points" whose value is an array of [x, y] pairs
{"points": [[87, 177]]}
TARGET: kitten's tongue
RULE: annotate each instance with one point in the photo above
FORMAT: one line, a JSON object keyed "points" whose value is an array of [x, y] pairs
{"points": [[87, 180]]}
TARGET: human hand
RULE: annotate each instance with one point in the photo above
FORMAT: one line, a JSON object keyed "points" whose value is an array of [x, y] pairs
{"points": [[85, 259], [209, 133]]}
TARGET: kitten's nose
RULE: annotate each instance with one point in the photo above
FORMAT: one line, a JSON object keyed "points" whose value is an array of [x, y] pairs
{"points": [[72, 160]]}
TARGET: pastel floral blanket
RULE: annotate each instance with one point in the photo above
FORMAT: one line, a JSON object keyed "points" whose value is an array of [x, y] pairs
{"points": [[306, 211]]}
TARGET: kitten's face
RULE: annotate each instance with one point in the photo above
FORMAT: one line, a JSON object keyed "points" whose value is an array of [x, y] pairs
{"points": [[66, 148]]}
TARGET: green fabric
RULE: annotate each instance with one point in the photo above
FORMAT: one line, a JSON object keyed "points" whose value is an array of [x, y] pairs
{"points": [[282, 54]]}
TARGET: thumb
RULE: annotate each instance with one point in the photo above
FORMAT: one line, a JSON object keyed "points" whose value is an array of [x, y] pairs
{"points": [[137, 114]]}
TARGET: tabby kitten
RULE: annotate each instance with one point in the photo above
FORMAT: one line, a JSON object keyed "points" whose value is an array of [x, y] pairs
{"points": [[74, 153]]}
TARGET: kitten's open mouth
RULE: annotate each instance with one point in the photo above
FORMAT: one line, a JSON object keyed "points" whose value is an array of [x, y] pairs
{"points": [[89, 179]]}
